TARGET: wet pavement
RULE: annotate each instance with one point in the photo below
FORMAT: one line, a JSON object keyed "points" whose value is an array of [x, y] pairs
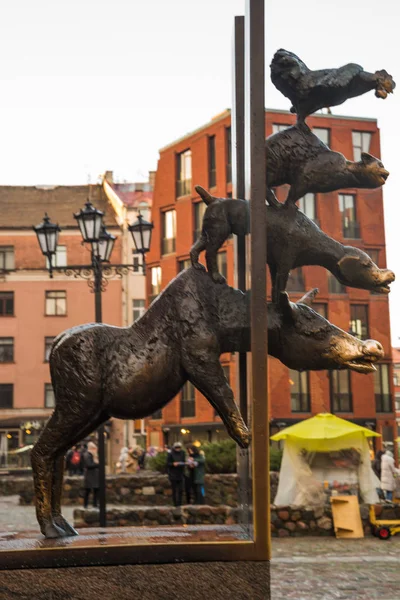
{"points": [[301, 568], [328, 569]]}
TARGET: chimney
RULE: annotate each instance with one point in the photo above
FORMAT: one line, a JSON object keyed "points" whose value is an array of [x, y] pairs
{"points": [[152, 179]]}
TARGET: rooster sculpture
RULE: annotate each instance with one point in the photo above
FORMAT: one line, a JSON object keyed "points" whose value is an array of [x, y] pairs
{"points": [[310, 91]]}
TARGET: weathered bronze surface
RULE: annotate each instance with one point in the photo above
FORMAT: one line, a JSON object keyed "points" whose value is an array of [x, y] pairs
{"points": [[99, 371], [306, 244], [296, 156], [310, 91]]}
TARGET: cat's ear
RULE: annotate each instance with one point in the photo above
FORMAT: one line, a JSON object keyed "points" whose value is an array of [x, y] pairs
{"points": [[367, 159]]}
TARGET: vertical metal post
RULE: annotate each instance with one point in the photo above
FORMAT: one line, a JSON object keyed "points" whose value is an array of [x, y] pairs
{"points": [[255, 187], [97, 268]]}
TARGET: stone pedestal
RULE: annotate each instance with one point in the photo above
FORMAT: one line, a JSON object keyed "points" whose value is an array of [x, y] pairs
{"points": [[189, 581]]}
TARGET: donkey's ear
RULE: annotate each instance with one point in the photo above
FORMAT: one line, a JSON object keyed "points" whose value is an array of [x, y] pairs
{"points": [[308, 298], [367, 159], [285, 305], [205, 196]]}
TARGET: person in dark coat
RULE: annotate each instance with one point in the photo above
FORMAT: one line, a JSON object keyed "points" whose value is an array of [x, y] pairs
{"points": [[189, 477], [199, 471], [176, 464], [91, 473]]}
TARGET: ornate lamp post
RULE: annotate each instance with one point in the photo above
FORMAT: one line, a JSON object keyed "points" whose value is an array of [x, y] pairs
{"points": [[92, 228]]}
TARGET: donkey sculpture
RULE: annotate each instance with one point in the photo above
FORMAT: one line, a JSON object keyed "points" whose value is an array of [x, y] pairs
{"points": [[99, 371]]}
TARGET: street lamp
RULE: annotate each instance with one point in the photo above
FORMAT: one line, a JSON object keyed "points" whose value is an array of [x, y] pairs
{"points": [[47, 235], [92, 228], [141, 234]]}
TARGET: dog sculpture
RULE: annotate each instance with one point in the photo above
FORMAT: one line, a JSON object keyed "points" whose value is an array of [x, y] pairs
{"points": [[297, 157], [310, 91], [307, 245], [99, 371]]}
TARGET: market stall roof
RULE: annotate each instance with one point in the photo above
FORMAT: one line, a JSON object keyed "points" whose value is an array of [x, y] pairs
{"points": [[323, 426]]}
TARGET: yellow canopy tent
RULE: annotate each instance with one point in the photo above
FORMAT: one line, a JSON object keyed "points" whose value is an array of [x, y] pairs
{"points": [[323, 433]]}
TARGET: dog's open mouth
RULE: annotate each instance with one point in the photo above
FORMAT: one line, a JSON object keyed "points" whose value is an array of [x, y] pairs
{"points": [[361, 365]]}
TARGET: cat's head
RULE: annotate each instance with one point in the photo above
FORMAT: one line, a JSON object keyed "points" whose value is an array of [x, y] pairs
{"points": [[371, 172]]}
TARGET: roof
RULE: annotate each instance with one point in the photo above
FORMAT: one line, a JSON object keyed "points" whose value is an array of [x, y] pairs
{"points": [[130, 196], [270, 111], [322, 427], [24, 206]]}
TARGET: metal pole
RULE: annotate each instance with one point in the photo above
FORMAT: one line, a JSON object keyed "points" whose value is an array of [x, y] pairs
{"points": [[256, 192], [96, 262]]}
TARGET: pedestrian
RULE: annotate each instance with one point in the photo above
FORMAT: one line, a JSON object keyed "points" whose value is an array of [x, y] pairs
{"points": [[73, 460], [189, 477], [388, 473], [377, 469], [199, 469], [176, 464], [91, 474], [121, 464]]}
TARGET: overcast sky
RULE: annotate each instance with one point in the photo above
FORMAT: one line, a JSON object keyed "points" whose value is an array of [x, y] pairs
{"points": [[94, 85]]}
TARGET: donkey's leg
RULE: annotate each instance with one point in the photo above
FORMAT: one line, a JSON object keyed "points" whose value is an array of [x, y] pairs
{"points": [[78, 435], [43, 462], [208, 377]]}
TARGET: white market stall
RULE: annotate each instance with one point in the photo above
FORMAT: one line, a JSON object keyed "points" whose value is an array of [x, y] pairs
{"points": [[325, 454]]}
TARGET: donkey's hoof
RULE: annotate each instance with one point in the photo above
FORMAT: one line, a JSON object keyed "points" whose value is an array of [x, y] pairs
{"points": [[62, 524], [50, 531]]}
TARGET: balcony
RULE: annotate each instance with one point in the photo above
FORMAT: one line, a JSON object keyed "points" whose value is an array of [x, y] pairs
{"points": [[183, 187], [352, 231]]}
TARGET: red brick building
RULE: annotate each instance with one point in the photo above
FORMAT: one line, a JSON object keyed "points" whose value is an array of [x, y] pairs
{"points": [[352, 216], [396, 384]]}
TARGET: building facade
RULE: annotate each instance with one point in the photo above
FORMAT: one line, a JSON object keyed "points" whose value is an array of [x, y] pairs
{"points": [[34, 309], [354, 217], [396, 385]]}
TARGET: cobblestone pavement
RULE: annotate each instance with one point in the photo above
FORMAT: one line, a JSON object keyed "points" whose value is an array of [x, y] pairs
{"points": [[328, 569], [301, 568]]}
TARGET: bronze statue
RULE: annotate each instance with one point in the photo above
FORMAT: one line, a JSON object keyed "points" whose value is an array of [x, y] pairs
{"points": [[99, 371], [296, 156], [310, 91], [307, 245]]}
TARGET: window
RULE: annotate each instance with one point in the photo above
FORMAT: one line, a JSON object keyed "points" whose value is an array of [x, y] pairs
{"points": [[396, 374], [307, 205], [48, 342], [334, 286], [277, 127], [6, 258], [188, 404], [340, 391], [56, 303], [138, 308], [157, 414], [296, 281], [49, 399], [228, 139], [382, 389], [347, 207], [6, 395], [397, 401], [199, 210], [169, 231], [221, 262], [155, 282], [299, 394], [137, 260], [6, 304], [60, 257], [321, 308], [184, 264], [361, 143], [212, 162], [359, 320], [6, 350], [184, 173], [322, 134]]}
